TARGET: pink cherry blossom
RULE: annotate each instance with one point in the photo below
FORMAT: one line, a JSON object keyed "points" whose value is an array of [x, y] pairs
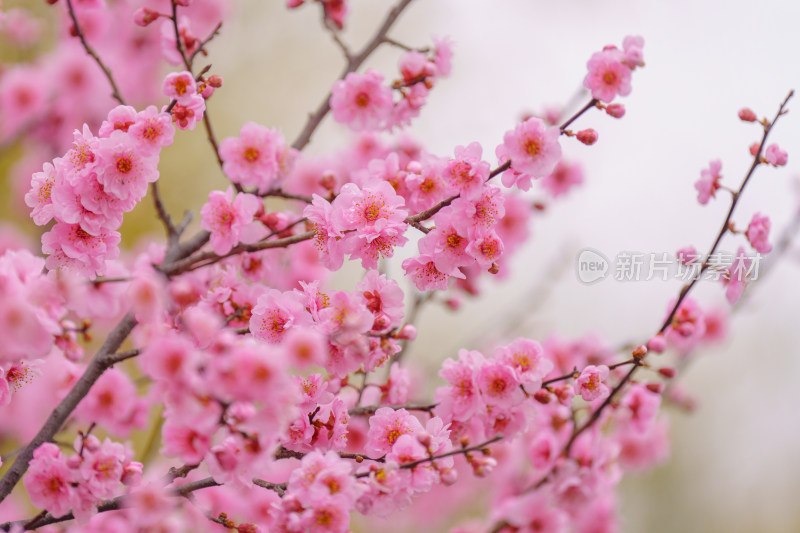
{"points": [[564, 178], [608, 75], [275, 314], [362, 101], [758, 233], [775, 156], [122, 170], [708, 184], [386, 426], [498, 384], [179, 86], [736, 275], [632, 47], [257, 158], [152, 131], [467, 172], [527, 358], [187, 114], [327, 236], [230, 221], [72, 248], [48, 480], [426, 276], [383, 298], [532, 147], [590, 384]]}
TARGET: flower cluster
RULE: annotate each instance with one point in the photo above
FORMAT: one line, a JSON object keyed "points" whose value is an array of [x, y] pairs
{"points": [[88, 190], [79, 482], [364, 102], [275, 399]]}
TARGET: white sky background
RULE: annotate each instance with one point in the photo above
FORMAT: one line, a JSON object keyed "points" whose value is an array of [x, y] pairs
{"points": [[734, 464]]}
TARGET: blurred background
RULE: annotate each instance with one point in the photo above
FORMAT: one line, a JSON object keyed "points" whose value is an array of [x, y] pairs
{"points": [[734, 464]]}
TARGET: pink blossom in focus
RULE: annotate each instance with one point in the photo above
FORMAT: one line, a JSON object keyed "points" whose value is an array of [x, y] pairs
{"points": [[590, 384], [386, 426], [230, 220], [467, 172], [179, 86], [362, 101], [608, 75], [257, 158], [532, 147]]}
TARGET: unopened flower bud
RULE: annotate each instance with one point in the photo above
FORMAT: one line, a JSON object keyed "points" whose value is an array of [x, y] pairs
{"points": [[640, 352], [587, 137], [328, 180], [449, 476], [754, 148], [215, 81], [655, 387], [132, 474], [381, 322], [747, 115], [453, 303], [145, 16], [424, 439], [667, 371], [616, 110], [542, 396], [91, 443], [407, 332]]}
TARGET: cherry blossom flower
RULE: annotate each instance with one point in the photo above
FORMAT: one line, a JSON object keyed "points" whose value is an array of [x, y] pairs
{"points": [[362, 101], [532, 147], [257, 158], [590, 384], [708, 184], [758, 233], [608, 75], [230, 221]]}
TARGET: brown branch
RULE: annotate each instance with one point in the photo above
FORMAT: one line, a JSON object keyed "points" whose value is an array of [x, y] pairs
{"points": [[726, 224], [370, 409], [428, 213], [203, 43], [477, 447], [101, 362], [687, 288], [280, 488], [335, 34], [89, 50], [280, 193], [118, 357], [353, 64], [593, 102], [208, 258], [161, 211], [178, 43]]}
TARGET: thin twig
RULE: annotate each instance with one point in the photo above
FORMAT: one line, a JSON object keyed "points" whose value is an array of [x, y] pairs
{"points": [[353, 64], [209, 258], [201, 46], [89, 50]]}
